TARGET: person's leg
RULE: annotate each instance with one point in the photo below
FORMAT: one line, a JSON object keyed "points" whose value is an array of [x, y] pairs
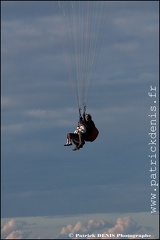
{"points": [[69, 142], [81, 141]]}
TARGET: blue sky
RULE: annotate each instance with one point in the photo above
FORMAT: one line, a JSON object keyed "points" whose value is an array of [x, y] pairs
{"points": [[42, 179]]}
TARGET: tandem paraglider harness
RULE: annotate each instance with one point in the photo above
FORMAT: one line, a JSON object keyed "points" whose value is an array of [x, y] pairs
{"points": [[94, 133]]}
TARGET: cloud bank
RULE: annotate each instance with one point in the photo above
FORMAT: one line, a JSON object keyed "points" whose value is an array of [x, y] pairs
{"points": [[14, 230], [92, 229], [124, 226]]}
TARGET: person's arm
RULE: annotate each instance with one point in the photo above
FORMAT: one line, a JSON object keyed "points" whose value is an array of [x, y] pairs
{"points": [[84, 117], [82, 129]]}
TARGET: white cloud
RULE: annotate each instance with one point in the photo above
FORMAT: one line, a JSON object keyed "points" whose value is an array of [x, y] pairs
{"points": [[34, 39], [7, 102], [18, 234], [40, 113], [123, 225], [130, 46], [14, 230], [39, 119], [136, 24], [83, 228]]}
